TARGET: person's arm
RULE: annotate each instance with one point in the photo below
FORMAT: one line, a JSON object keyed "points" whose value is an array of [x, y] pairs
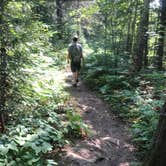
{"points": [[82, 57], [68, 56], [83, 61]]}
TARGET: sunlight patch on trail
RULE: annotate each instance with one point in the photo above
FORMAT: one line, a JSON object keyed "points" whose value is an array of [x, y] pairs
{"points": [[94, 149]]}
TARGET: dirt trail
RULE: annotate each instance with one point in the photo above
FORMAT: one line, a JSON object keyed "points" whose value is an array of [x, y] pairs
{"points": [[110, 143]]}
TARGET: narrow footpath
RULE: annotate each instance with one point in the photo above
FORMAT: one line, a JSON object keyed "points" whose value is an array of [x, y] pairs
{"points": [[110, 141]]}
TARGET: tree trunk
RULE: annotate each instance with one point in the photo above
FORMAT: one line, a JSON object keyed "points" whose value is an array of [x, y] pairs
{"points": [[133, 29], [145, 39], [105, 33], [145, 54], [3, 65], [157, 157], [128, 46], [59, 14], [160, 49], [141, 37], [128, 40]]}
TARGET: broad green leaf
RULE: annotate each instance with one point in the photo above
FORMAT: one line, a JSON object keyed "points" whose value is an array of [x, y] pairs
{"points": [[3, 150]]}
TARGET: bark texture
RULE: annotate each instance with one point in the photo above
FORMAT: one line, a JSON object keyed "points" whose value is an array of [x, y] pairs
{"points": [[157, 157], [160, 49]]}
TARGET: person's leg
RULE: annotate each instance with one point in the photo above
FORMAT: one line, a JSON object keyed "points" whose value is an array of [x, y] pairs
{"points": [[74, 79], [73, 69], [77, 71], [76, 76]]}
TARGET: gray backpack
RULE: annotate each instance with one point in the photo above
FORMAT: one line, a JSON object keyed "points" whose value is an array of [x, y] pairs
{"points": [[75, 52]]}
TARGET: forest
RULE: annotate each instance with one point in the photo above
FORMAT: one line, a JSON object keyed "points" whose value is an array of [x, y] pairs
{"points": [[116, 116]]}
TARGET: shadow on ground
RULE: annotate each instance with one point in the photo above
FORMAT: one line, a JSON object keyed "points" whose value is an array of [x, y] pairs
{"points": [[110, 142]]}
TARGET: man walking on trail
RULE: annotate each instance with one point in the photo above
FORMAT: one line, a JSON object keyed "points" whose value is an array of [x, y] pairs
{"points": [[75, 56]]}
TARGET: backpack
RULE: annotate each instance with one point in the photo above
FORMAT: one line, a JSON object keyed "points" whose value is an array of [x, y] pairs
{"points": [[75, 52]]}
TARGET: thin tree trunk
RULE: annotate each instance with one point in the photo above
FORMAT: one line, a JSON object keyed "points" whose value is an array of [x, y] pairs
{"points": [[59, 14], [3, 65], [133, 26], [129, 30], [128, 40], [156, 39], [140, 43], [105, 34], [78, 22], [3, 75], [160, 49], [145, 53]]}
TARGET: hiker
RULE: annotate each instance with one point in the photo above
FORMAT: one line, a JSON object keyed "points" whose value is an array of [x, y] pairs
{"points": [[75, 56]]}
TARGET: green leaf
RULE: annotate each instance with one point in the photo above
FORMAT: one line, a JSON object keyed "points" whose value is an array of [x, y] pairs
{"points": [[51, 162], [3, 150], [11, 163], [13, 146], [32, 145], [46, 147], [32, 161]]}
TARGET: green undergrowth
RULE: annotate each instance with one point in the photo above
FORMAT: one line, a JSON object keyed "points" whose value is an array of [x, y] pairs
{"points": [[136, 98], [42, 122]]}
